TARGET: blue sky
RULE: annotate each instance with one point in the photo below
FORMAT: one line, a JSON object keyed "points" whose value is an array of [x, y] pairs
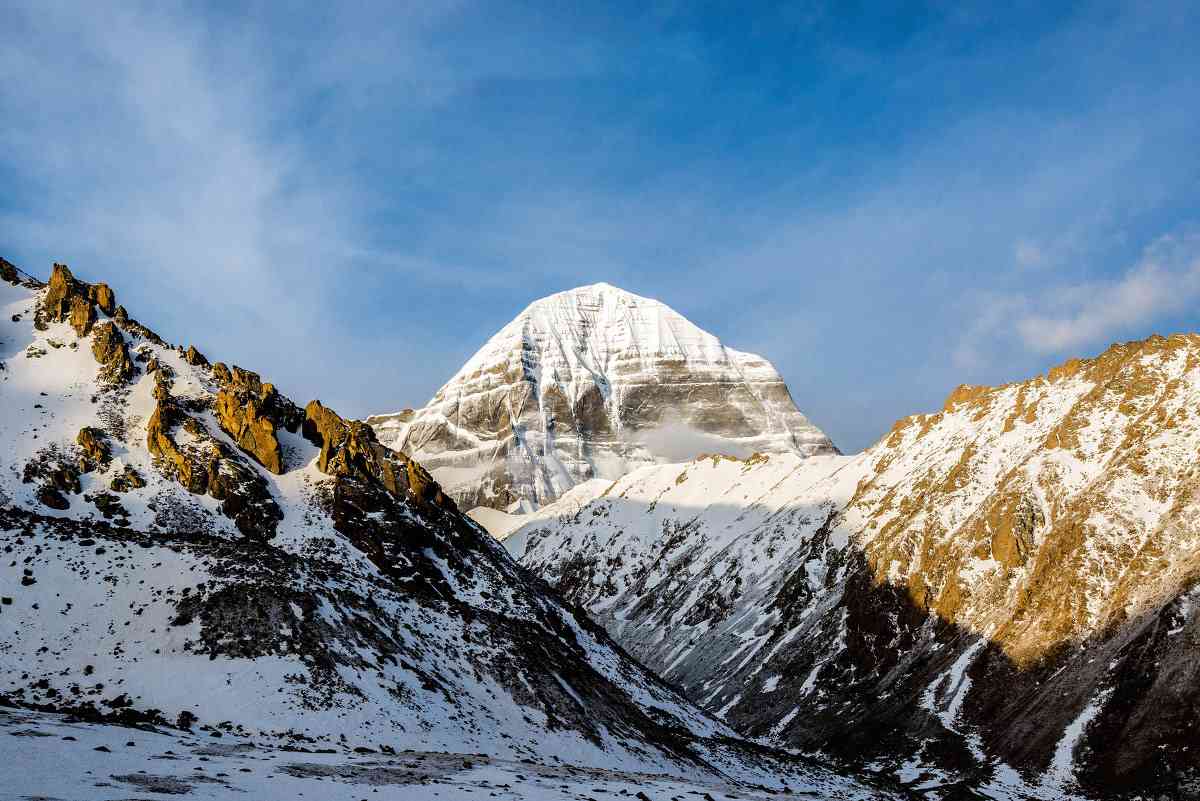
{"points": [[887, 201]]}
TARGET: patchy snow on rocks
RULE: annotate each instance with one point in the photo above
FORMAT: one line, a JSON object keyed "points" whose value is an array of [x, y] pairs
{"points": [[955, 597], [184, 548]]}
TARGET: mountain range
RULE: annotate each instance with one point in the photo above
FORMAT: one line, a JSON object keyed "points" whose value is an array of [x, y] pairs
{"points": [[1002, 591], [609, 557], [190, 552]]}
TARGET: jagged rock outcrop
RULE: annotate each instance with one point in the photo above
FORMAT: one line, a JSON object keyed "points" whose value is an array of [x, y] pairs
{"points": [[252, 412], [1011, 581], [592, 383], [349, 448], [203, 465], [109, 348]]}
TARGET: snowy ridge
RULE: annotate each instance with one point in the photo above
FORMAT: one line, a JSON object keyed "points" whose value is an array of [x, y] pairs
{"points": [[364, 616], [590, 383], [973, 583]]}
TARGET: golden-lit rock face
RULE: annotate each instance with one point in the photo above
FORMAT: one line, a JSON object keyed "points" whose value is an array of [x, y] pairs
{"points": [[961, 592], [1041, 512]]}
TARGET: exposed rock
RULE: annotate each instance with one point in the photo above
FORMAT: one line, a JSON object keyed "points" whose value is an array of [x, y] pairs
{"points": [[51, 496], [94, 444], [593, 383], [133, 327], [8, 272], [349, 448], [251, 412], [128, 479], [194, 357], [205, 466], [83, 315], [103, 296], [221, 372], [109, 348]]}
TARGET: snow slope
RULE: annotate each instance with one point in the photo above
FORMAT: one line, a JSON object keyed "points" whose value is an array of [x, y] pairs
{"points": [[167, 576], [1001, 589], [591, 383]]}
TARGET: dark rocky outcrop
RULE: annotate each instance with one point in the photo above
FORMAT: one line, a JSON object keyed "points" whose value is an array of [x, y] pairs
{"points": [[128, 479]]}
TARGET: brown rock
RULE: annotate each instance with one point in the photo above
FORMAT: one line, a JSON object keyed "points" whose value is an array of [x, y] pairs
{"points": [[195, 357], [128, 480], [57, 303], [349, 448], [108, 346], [8, 272], [83, 315], [252, 412], [241, 417], [103, 296], [192, 475], [221, 372], [94, 444]]}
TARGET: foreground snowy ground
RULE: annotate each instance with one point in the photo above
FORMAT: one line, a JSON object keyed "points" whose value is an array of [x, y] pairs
{"points": [[51, 757]]}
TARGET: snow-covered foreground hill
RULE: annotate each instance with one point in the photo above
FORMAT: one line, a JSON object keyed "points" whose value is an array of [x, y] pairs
{"points": [[591, 383], [54, 758], [1004, 591], [184, 547]]}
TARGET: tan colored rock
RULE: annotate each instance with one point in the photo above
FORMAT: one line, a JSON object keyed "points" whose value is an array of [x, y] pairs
{"points": [[349, 448], [221, 372], [57, 303], [195, 357], [94, 444], [83, 315], [241, 416], [103, 296], [108, 346]]}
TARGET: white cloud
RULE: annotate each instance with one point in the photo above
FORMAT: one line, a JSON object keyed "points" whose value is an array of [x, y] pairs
{"points": [[1165, 280]]}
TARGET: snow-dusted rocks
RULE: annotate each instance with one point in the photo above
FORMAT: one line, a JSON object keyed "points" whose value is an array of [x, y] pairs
{"points": [[591, 383], [185, 547], [1003, 591]]}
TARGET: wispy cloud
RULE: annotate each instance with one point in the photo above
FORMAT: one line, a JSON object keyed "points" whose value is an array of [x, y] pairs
{"points": [[1165, 280]]}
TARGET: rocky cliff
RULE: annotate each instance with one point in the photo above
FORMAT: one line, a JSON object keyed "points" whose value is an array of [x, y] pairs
{"points": [[592, 383], [186, 547], [1001, 594]]}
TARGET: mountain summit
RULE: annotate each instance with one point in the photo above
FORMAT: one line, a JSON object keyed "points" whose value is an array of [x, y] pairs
{"points": [[591, 383]]}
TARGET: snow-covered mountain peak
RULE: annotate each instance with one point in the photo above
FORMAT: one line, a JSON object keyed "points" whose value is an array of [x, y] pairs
{"points": [[590, 383]]}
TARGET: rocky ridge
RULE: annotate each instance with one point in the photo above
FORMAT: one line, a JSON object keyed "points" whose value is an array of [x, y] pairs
{"points": [[187, 547], [1000, 594], [591, 383]]}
